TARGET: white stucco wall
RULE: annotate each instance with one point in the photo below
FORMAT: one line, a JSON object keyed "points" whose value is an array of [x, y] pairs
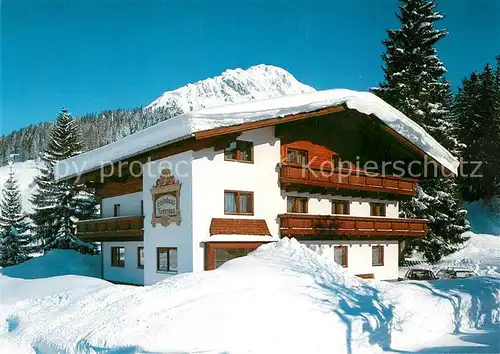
{"points": [[128, 274], [212, 175], [320, 204], [130, 205], [360, 256], [179, 236]]}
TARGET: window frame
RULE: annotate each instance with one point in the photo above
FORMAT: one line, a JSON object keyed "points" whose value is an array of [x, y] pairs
{"points": [[381, 207], [139, 266], [338, 165], [168, 249], [239, 153], [381, 248], [337, 202], [306, 152], [238, 194], [115, 257], [346, 255], [116, 210], [295, 204]]}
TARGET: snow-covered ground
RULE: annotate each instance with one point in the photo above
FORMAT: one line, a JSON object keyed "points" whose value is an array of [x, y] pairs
{"points": [[282, 298]]}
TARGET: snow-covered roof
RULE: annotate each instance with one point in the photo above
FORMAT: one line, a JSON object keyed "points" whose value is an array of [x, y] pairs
{"points": [[185, 125]]}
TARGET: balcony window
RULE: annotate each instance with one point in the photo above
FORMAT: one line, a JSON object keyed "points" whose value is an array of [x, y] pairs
{"points": [[239, 150], [166, 258], [377, 209], [116, 210], [340, 255], [118, 257], [238, 202], [340, 207], [296, 205], [140, 257], [337, 162], [297, 156], [377, 255]]}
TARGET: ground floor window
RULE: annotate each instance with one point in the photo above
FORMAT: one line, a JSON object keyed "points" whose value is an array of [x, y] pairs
{"points": [[223, 255], [217, 253], [340, 255], [166, 259], [140, 257], [118, 257], [377, 255]]}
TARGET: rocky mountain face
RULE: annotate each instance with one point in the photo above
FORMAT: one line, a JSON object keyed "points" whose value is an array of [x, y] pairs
{"points": [[234, 85]]}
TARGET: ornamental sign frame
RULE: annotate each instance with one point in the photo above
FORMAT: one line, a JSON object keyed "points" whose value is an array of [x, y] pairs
{"points": [[166, 194]]}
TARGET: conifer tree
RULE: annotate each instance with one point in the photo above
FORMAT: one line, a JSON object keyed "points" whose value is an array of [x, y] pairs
{"points": [[414, 83], [58, 205], [14, 237], [477, 107]]}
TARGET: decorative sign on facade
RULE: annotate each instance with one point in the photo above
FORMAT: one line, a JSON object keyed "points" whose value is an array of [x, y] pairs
{"points": [[166, 200]]}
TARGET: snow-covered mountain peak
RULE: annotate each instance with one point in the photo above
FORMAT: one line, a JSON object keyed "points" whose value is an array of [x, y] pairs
{"points": [[233, 85]]}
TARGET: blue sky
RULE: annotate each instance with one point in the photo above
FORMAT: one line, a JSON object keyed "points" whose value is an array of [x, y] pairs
{"points": [[91, 55]]}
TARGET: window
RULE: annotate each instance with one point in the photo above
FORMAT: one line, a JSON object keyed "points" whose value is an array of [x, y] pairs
{"points": [[377, 209], [222, 255], [239, 150], [116, 210], [340, 207], [297, 156], [166, 259], [377, 255], [237, 202], [340, 255], [336, 162], [296, 205], [140, 257], [142, 207], [118, 257]]}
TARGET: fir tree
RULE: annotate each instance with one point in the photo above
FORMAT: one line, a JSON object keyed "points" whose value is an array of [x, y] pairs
{"points": [[13, 225], [414, 83], [477, 108], [58, 205]]}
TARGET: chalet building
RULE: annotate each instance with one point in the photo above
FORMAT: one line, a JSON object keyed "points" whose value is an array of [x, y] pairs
{"points": [[197, 190]]}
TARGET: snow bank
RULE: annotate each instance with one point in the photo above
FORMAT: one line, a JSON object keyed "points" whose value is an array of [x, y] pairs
{"points": [[483, 218], [65, 270], [282, 298], [56, 262], [185, 125]]}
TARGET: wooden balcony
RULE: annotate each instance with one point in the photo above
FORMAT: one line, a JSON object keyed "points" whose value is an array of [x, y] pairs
{"points": [[309, 227], [126, 228], [299, 178]]}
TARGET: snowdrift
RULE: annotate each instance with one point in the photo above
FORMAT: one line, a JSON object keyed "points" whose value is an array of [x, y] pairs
{"points": [[483, 218], [282, 298], [53, 273]]}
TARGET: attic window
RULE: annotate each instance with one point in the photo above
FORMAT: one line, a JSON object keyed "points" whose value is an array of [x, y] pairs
{"points": [[239, 150]]}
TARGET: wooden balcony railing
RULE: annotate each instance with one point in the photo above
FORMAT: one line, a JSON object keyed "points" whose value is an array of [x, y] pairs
{"points": [[126, 228], [331, 181], [305, 226]]}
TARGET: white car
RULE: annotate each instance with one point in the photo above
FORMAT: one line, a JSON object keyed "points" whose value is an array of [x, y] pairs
{"points": [[455, 273]]}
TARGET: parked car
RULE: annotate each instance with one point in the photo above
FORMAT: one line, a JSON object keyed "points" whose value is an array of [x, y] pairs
{"points": [[455, 273], [419, 274]]}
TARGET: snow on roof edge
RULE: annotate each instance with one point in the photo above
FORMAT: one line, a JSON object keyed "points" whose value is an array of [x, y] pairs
{"points": [[185, 125]]}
